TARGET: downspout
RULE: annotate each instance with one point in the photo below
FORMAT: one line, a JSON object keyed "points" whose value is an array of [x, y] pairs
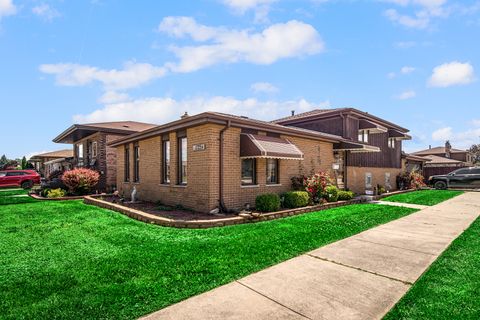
{"points": [[221, 203], [345, 158]]}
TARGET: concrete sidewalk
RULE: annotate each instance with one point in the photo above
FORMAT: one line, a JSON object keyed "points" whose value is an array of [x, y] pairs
{"points": [[361, 277]]}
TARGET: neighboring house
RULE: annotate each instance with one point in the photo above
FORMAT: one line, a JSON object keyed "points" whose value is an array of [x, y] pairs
{"points": [[215, 161], [361, 169], [90, 147], [46, 163], [443, 160]]}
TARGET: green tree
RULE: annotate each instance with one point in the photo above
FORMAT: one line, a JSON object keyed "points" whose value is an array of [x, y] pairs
{"points": [[24, 163], [3, 160], [475, 151]]}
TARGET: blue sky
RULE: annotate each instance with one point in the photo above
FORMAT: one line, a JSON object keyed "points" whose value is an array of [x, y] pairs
{"points": [[413, 62]]}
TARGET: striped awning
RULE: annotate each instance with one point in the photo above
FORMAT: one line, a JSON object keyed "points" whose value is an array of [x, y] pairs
{"points": [[259, 146]]}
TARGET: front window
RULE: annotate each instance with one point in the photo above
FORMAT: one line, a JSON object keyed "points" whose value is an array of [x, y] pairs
{"points": [[272, 171], [94, 149], [391, 143], [127, 164], [80, 154], [166, 161], [248, 171], [136, 163], [182, 160], [363, 135]]}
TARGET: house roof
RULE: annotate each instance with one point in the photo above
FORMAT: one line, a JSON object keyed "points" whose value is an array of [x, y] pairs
{"points": [[441, 160], [66, 153], [80, 131], [224, 119], [322, 113], [412, 157], [437, 150]]}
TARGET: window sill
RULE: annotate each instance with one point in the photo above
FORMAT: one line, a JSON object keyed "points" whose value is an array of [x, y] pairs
{"points": [[246, 186], [164, 184], [274, 185], [180, 186]]}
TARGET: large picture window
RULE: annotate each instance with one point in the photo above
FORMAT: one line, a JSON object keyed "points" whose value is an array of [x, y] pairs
{"points": [[272, 171], [136, 163], [166, 161], [182, 160], [248, 171], [126, 172]]}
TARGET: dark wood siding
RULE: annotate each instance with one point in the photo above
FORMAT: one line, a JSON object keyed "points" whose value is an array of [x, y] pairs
{"points": [[386, 158], [351, 128], [332, 125]]}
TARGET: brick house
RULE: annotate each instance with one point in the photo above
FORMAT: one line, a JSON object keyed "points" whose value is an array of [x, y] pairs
{"points": [[361, 169], [91, 150], [443, 160], [47, 162], [215, 160]]}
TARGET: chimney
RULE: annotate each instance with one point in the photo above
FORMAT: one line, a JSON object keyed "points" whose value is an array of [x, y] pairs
{"points": [[448, 148], [293, 113], [185, 115]]}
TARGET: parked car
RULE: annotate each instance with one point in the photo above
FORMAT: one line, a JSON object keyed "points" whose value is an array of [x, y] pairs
{"points": [[19, 178], [460, 178]]}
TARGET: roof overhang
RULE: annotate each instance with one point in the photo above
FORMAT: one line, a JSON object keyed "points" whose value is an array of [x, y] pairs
{"points": [[398, 135], [259, 146], [58, 160], [78, 132], [373, 127], [354, 147]]}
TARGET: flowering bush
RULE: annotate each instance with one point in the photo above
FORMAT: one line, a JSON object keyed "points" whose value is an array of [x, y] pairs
{"points": [[316, 185], [417, 181], [80, 180]]}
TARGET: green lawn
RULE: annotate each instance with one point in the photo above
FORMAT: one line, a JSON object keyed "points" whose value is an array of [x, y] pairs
{"points": [[450, 289], [424, 197], [67, 260], [15, 196]]}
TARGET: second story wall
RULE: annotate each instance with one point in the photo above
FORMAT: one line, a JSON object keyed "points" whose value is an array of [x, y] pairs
{"points": [[387, 157]]}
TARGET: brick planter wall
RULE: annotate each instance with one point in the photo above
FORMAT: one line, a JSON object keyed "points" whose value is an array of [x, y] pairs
{"points": [[197, 224]]}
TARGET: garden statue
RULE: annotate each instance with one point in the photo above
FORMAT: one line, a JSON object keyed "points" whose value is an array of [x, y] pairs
{"points": [[134, 194]]}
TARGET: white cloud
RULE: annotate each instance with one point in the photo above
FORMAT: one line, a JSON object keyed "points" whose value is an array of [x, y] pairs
{"points": [[476, 122], [407, 70], [132, 75], [7, 8], [264, 87], [442, 134], [113, 97], [424, 12], [46, 12], [278, 41], [391, 75], [261, 8], [451, 74], [406, 95], [461, 140], [160, 109]]}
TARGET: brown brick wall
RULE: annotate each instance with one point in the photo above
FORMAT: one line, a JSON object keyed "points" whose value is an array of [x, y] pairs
{"points": [[356, 177], [202, 190]]}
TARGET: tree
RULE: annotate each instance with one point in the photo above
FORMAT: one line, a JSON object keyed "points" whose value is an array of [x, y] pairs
{"points": [[3, 160], [475, 151], [24, 163]]}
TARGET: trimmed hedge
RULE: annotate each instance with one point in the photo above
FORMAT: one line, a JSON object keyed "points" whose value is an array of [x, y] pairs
{"points": [[295, 199], [267, 202], [345, 195], [331, 194]]}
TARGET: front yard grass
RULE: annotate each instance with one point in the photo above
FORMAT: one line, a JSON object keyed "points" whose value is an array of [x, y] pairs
{"points": [[424, 197], [68, 260], [450, 289], [15, 196]]}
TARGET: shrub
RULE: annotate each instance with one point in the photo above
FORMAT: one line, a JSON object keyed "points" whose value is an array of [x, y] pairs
{"points": [[298, 183], [56, 193], [417, 181], [345, 195], [81, 180], [316, 185], [56, 174], [331, 194], [267, 202], [295, 199], [381, 189]]}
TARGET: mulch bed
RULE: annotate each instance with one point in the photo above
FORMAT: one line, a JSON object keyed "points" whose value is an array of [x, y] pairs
{"points": [[174, 214]]}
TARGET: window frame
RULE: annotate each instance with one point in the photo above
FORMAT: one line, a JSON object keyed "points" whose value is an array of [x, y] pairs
{"points": [[94, 149], [166, 164], [363, 135], [126, 169], [277, 171], [136, 163], [182, 142], [254, 172]]}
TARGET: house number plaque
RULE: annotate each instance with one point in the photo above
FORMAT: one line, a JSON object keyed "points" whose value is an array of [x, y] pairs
{"points": [[199, 147]]}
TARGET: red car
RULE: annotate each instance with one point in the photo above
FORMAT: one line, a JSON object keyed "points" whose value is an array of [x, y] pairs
{"points": [[19, 178]]}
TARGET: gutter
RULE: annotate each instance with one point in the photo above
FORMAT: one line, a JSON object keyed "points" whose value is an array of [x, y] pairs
{"points": [[221, 203]]}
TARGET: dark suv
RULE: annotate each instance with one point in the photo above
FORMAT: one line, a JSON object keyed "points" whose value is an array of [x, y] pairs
{"points": [[461, 178]]}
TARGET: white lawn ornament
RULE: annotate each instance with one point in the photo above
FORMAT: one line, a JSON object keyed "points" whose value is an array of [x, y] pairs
{"points": [[134, 193]]}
